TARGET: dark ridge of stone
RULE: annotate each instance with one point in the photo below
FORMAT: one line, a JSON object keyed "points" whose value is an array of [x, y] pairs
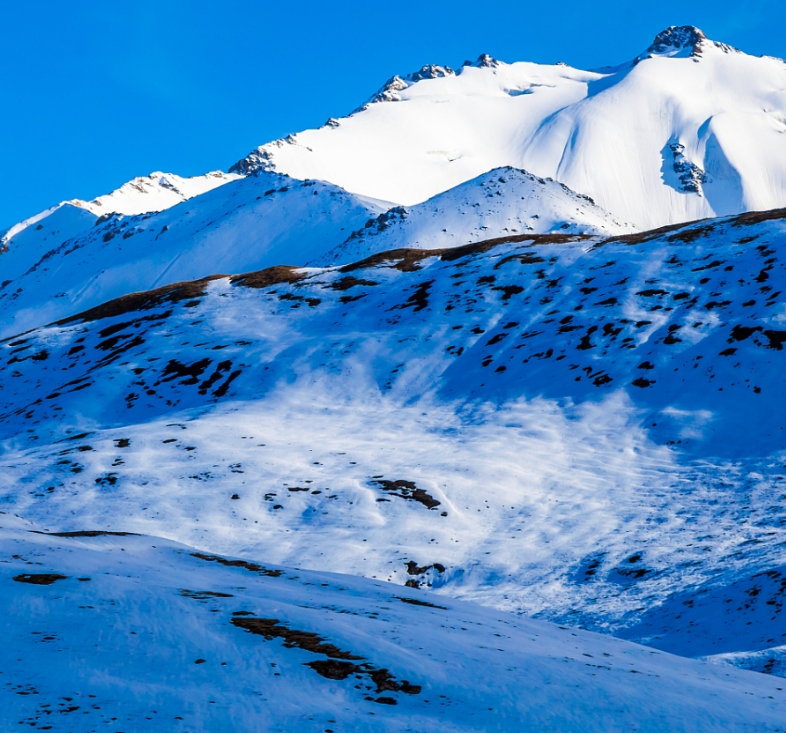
{"points": [[88, 533]]}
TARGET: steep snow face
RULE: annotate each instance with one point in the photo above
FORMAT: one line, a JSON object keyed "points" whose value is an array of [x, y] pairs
{"points": [[499, 203], [247, 224], [689, 129], [155, 192], [150, 635], [581, 428]]}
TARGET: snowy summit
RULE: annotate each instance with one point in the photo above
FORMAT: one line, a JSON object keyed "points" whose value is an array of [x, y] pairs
{"points": [[610, 133]]}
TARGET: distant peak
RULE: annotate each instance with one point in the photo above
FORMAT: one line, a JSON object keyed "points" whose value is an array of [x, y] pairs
{"points": [[484, 61], [430, 71], [677, 38], [256, 161], [681, 41], [391, 91]]}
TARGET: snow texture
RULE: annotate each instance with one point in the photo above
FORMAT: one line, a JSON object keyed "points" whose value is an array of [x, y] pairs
{"points": [[409, 354], [499, 203], [106, 632], [572, 427]]}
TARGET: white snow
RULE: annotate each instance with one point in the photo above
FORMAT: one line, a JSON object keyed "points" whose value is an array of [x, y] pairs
{"points": [[141, 195], [458, 380], [603, 133], [589, 423], [243, 225], [141, 634], [74, 262], [501, 203]]}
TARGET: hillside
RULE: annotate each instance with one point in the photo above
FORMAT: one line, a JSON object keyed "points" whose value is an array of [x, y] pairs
{"points": [[502, 202], [259, 221], [141, 195], [459, 413], [245, 224], [147, 635], [577, 428]]}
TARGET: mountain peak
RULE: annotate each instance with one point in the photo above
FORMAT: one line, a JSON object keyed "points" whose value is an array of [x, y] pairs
{"points": [[682, 41], [678, 38], [484, 61], [392, 88], [430, 71]]}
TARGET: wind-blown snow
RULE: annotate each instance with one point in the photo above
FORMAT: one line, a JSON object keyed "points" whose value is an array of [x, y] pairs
{"points": [[503, 395], [138, 633], [609, 133], [575, 427]]}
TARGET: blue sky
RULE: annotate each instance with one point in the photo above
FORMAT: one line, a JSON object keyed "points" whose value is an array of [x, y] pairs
{"points": [[95, 93]]}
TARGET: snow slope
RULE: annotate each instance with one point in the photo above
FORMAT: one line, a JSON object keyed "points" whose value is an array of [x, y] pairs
{"points": [[259, 221], [499, 203], [579, 428], [140, 195], [245, 224], [689, 129], [147, 635]]}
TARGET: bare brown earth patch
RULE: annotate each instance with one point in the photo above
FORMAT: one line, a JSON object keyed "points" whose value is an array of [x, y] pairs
{"points": [[204, 595], [407, 490], [144, 300], [269, 276], [416, 602], [252, 566], [757, 217], [350, 281], [340, 663], [90, 533], [271, 628], [407, 260], [641, 237], [39, 578], [692, 230]]}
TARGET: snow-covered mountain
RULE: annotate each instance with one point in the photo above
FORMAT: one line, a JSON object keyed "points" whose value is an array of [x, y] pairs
{"points": [[689, 129], [140, 195], [400, 352], [245, 224], [577, 428], [500, 203], [137, 633], [263, 220], [26, 243]]}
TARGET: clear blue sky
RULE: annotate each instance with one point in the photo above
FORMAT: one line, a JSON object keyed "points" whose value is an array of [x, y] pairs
{"points": [[95, 93]]}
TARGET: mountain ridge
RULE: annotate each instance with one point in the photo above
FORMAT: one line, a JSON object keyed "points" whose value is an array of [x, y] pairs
{"points": [[257, 221]]}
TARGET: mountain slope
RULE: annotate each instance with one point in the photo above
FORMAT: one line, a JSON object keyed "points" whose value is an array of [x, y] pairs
{"points": [[152, 636], [499, 203], [244, 224], [261, 220], [574, 427], [689, 129], [141, 195]]}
